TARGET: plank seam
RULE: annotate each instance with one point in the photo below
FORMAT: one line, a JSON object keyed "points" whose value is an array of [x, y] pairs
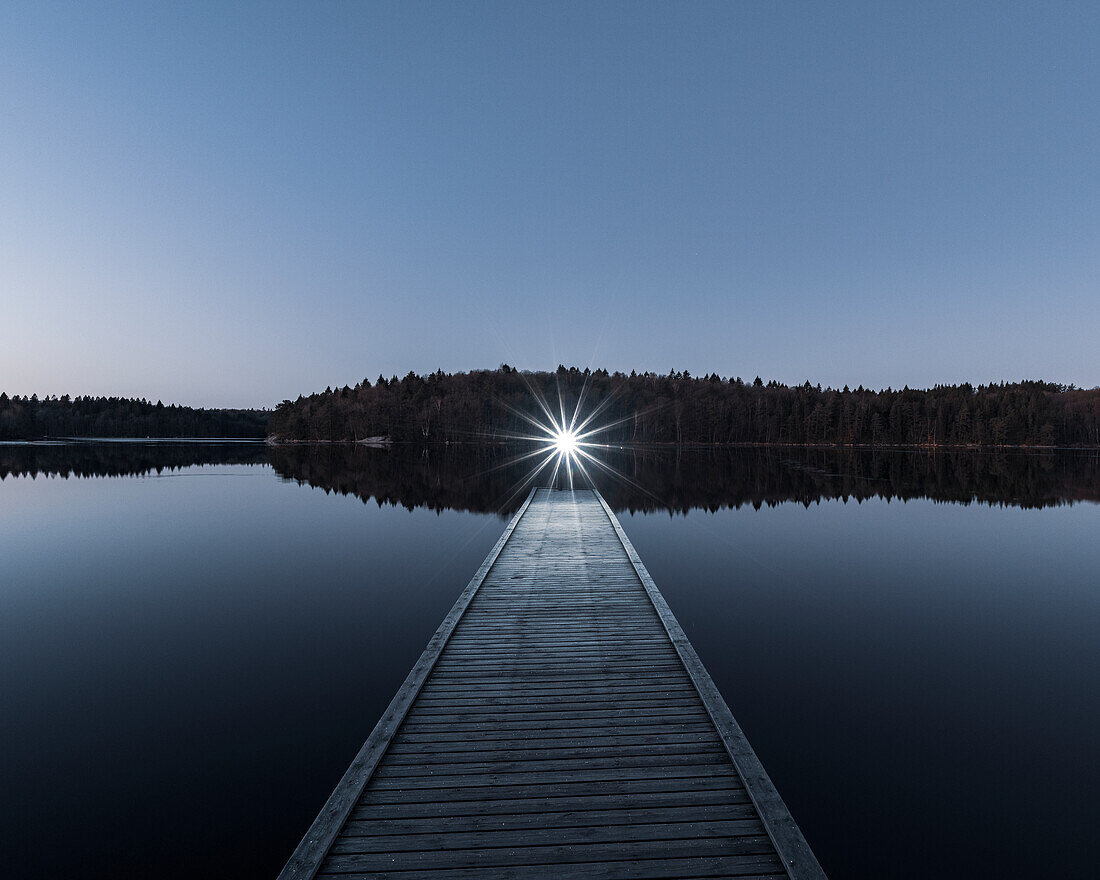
{"points": [[307, 857], [794, 852]]}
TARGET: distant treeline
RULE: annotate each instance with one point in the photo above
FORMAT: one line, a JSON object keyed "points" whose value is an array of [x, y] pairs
{"points": [[683, 409], [28, 418]]}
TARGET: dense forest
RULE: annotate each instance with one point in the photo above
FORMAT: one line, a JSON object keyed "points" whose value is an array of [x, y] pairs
{"points": [[681, 409], [28, 418], [490, 406]]}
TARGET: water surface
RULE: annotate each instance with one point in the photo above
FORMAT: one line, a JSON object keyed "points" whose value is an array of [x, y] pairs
{"points": [[194, 642]]}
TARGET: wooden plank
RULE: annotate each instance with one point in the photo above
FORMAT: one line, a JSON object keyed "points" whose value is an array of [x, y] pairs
{"points": [[729, 793], [501, 686], [559, 819], [425, 744], [564, 720], [758, 867], [440, 769], [709, 770], [486, 732], [587, 704], [444, 757], [627, 676], [551, 855], [619, 788], [354, 841], [401, 752]]}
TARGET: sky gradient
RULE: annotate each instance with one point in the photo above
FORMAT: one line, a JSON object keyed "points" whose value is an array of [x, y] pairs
{"points": [[226, 204]]}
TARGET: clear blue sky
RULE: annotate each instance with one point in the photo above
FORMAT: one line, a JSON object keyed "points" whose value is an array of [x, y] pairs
{"points": [[229, 204]]}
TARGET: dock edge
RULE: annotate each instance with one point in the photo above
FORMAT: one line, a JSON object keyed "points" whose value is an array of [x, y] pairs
{"points": [[793, 850], [307, 857]]}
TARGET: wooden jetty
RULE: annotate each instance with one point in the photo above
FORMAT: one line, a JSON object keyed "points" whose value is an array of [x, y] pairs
{"points": [[559, 724]]}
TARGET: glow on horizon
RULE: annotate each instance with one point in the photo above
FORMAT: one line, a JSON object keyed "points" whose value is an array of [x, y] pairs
{"points": [[565, 444]]}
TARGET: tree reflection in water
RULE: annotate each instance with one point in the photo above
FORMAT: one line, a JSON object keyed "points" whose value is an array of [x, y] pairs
{"points": [[486, 478], [481, 479]]}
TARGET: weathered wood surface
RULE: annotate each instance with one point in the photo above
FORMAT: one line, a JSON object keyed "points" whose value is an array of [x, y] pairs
{"points": [[558, 725]]}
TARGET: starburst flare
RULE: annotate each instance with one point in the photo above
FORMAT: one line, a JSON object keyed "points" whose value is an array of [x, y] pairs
{"points": [[564, 445]]}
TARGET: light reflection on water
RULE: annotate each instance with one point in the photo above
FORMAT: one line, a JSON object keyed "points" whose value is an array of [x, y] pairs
{"points": [[188, 665]]}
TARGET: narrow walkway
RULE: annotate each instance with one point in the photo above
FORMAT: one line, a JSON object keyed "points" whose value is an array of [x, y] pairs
{"points": [[559, 724]]}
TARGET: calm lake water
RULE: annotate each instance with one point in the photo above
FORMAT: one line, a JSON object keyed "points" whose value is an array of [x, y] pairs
{"points": [[196, 639]]}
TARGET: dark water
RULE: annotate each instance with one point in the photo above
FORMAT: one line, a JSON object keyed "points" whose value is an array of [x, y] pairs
{"points": [[195, 640]]}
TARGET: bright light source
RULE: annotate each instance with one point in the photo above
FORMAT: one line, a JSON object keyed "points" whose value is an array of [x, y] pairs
{"points": [[565, 442]]}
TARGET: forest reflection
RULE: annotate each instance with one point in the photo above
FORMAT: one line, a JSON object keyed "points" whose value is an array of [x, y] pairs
{"points": [[121, 458], [485, 479], [489, 479]]}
